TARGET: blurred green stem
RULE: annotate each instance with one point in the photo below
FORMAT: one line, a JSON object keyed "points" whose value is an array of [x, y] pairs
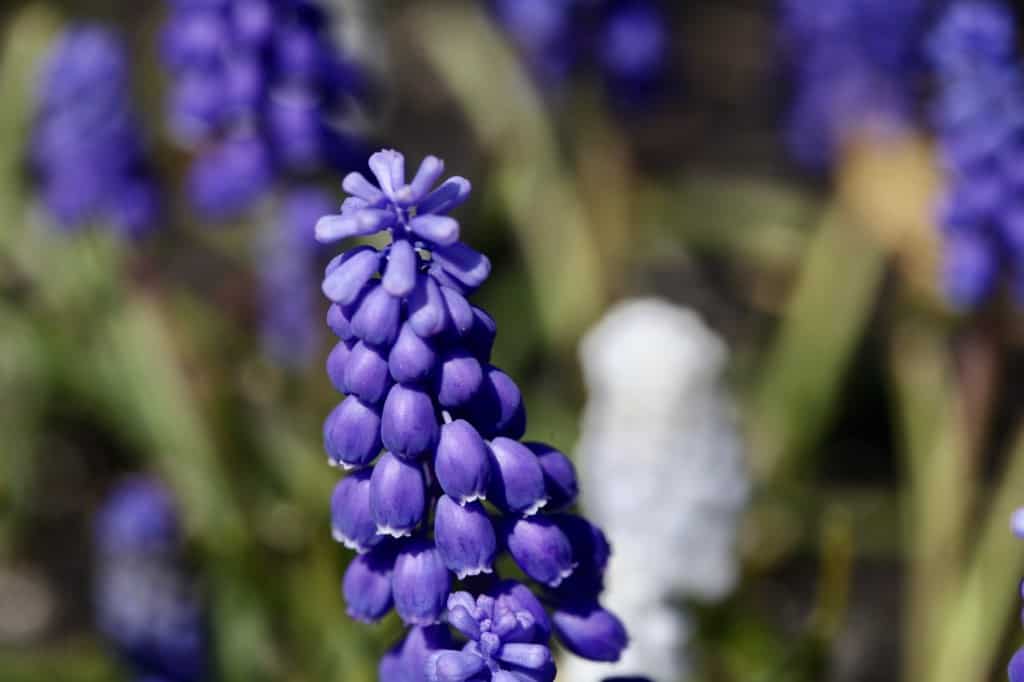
{"points": [[936, 447], [822, 326], [26, 41], [511, 124], [972, 627]]}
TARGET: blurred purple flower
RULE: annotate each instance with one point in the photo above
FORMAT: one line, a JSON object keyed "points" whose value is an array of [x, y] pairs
{"points": [[86, 148], [413, 357], [259, 90], [145, 604], [627, 40], [852, 63], [291, 317], [979, 118]]}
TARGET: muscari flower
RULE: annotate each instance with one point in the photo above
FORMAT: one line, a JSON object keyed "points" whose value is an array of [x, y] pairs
{"points": [[259, 91], [686, 485], [288, 257], [627, 40], [86, 149], [146, 605], [979, 118], [852, 64], [454, 487]]}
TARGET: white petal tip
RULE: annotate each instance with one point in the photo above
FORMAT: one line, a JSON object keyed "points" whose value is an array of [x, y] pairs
{"points": [[393, 532], [535, 507], [479, 570]]}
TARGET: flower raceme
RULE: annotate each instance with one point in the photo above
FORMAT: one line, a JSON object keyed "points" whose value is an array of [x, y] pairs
{"points": [[145, 603], [259, 89], [87, 149], [454, 487], [979, 118]]}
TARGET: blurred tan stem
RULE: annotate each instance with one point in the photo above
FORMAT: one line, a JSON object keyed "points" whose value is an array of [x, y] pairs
{"points": [[508, 118], [936, 445], [821, 328]]}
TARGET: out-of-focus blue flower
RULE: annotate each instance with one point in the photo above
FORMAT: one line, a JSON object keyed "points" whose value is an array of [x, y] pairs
{"points": [[259, 90], [852, 64], [413, 356], [627, 40], [979, 117], [145, 604], [86, 147], [291, 317]]}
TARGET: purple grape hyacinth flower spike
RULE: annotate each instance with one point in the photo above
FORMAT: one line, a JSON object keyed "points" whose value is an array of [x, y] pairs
{"points": [[287, 273], [146, 606], [627, 40], [979, 118], [259, 90], [853, 64], [441, 485], [87, 149]]}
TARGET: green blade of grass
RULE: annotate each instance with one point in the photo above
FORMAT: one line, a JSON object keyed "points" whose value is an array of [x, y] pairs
{"points": [[824, 321]]}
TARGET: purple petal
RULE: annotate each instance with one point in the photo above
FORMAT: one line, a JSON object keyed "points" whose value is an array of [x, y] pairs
{"points": [[420, 583], [462, 462], [517, 481], [427, 175], [388, 167], [361, 223], [498, 409], [465, 537], [469, 267], [400, 273], [398, 495], [352, 433], [377, 319], [339, 323], [409, 425], [591, 632], [337, 360], [533, 656], [345, 282], [452, 193], [459, 310], [352, 521], [428, 315], [453, 666], [356, 184], [412, 359], [366, 374], [521, 597], [541, 549], [480, 339], [460, 379], [436, 228], [367, 585], [559, 476]]}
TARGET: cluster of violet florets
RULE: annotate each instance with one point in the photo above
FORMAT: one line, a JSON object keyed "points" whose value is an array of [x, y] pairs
{"points": [[979, 118], [455, 486], [87, 149], [627, 41], [259, 90], [147, 606]]}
